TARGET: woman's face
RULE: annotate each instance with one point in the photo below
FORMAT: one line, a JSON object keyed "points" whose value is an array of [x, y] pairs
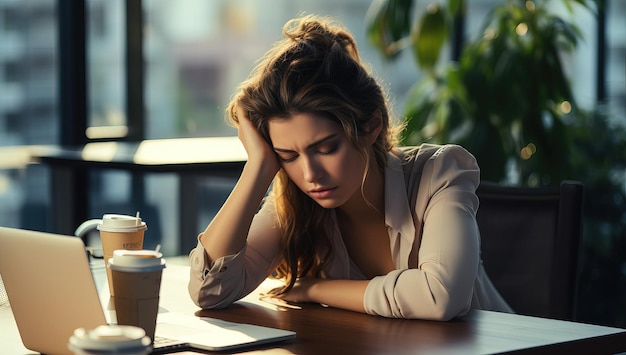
{"points": [[318, 158]]}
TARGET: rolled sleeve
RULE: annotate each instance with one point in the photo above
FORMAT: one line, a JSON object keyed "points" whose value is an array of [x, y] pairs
{"points": [[216, 284], [414, 294], [441, 287]]}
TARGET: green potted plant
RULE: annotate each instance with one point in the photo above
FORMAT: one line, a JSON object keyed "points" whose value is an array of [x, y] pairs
{"points": [[508, 101]]}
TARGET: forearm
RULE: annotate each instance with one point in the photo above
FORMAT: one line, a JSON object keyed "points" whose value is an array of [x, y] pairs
{"points": [[227, 232], [345, 294]]}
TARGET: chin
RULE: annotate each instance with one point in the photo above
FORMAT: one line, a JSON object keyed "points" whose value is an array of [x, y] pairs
{"points": [[328, 203]]}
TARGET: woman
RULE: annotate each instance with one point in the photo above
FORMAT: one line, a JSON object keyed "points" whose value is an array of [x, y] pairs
{"points": [[351, 220]]}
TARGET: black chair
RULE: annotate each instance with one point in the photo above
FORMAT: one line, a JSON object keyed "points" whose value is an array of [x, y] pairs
{"points": [[529, 245]]}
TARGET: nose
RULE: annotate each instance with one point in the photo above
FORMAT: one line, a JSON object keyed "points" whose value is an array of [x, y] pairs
{"points": [[312, 170]]}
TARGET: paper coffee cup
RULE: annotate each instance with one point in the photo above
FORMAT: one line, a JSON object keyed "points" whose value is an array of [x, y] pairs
{"points": [[110, 339], [120, 232], [136, 276]]}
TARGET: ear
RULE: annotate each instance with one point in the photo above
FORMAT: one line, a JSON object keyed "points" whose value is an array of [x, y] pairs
{"points": [[373, 127]]}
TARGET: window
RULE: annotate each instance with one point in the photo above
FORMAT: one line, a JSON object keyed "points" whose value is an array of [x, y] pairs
{"points": [[28, 108], [106, 69]]}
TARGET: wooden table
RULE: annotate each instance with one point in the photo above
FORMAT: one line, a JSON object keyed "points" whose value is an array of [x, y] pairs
{"points": [[322, 330], [189, 158]]}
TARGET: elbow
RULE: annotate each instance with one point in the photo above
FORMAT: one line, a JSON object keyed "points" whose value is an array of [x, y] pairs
{"points": [[204, 295], [446, 308], [210, 304], [196, 294], [440, 310], [206, 291], [205, 298], [200, 302], [212, 293], [397, 296], [440, 305], [448, 312]]}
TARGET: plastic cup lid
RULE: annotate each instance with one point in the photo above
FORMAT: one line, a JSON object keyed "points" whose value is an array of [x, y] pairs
{"points": [[111, 339], [121, 223], [136, 260]]}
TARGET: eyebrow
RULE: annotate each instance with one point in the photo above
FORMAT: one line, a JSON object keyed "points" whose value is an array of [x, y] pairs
{"points": [[312, 145]]}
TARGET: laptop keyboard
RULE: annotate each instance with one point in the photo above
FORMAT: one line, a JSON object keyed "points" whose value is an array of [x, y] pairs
{"points": [[163, 345]]}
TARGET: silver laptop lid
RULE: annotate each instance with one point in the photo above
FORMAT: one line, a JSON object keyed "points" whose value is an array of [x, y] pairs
{"points": [[50, 287]]}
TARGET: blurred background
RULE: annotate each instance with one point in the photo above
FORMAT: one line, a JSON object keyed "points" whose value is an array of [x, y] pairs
{"points": [[195, 52]]}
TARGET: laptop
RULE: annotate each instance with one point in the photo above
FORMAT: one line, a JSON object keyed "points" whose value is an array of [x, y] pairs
{"points": [[52, 292]]}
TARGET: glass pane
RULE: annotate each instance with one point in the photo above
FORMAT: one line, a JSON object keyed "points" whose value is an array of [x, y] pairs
{"points": [[28, 108], [106, 69], [616, 64], [28, 89], [198, 51]]}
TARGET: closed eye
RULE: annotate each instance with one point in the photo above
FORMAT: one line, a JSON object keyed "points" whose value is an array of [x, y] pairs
{"points": [[328, 150], [325, 146], [286, 159], [289, 157]]}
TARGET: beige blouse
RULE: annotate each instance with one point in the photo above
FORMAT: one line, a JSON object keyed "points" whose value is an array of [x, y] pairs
{"points": [[430, 208]]}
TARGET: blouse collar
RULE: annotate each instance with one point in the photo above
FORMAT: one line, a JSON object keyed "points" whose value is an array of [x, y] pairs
{"points": [[398, 217]]}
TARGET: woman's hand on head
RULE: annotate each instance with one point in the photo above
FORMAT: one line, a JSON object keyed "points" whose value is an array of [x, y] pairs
{"points": [[258, 149]]}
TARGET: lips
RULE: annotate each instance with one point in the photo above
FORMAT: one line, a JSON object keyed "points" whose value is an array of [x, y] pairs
{"points": [[322, 192]]}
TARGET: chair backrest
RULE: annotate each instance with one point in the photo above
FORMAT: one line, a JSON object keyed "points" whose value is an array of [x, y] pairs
{"points": [[529, 245]]}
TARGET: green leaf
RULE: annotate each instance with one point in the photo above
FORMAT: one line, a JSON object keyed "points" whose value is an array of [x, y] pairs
{"points": [[375, 24], [387, 23], [457, 7], [430, 36], [400, 14], [582, 3]]}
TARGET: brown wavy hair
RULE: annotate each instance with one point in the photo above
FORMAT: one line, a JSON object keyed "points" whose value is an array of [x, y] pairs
{"points": [[315, 69]]}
